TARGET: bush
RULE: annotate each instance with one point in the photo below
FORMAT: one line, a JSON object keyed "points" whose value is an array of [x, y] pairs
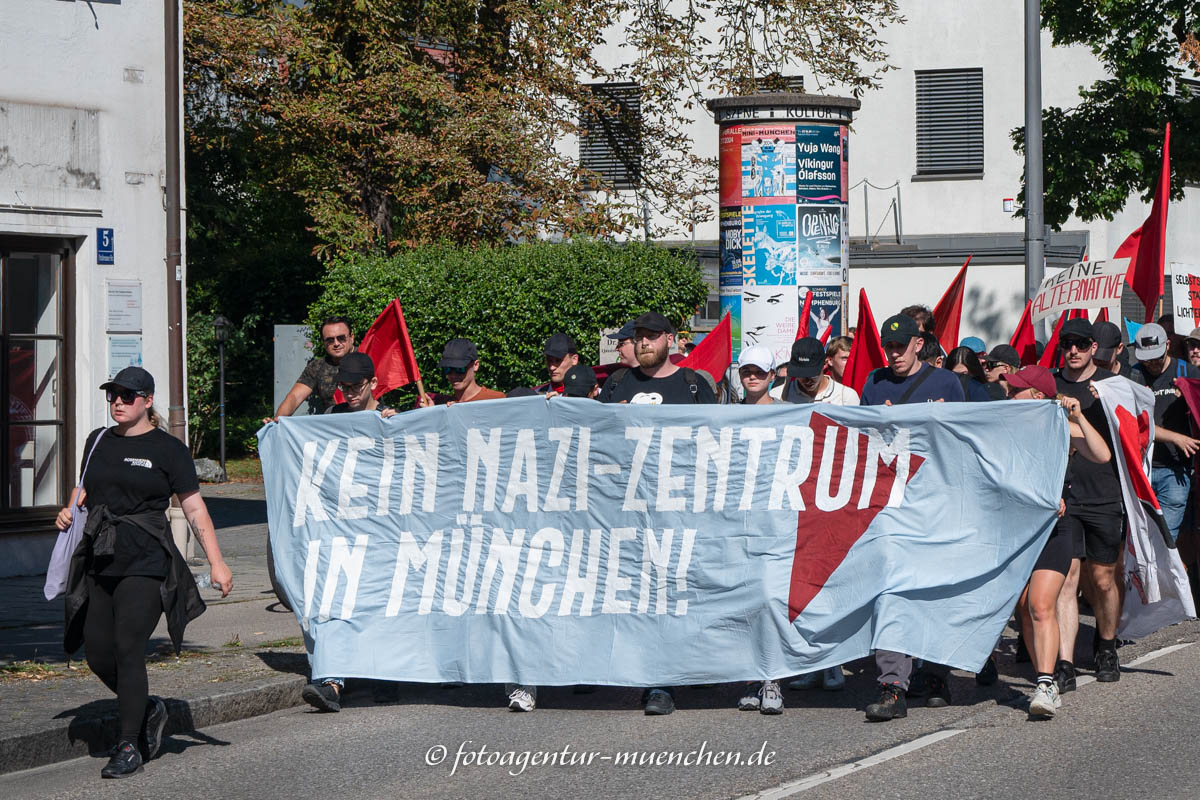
{"points": [[509, 300], [247, 371]]}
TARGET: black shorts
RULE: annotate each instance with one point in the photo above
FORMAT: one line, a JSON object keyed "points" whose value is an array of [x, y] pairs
{"points": [[1097, 530], [1058, 552]]}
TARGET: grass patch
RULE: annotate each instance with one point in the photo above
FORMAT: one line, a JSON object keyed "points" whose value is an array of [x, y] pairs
{"points": [[34, 671], [244, 470], [236, 641], [292, 641]]}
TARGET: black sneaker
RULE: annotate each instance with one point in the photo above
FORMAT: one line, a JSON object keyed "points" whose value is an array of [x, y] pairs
{"points": [[918, 684], [1064, 676], [322, 696], [939, 693], [891, 705], [125, 762], [1108, 668], [988, 675], [659, 703], [150, 739]]}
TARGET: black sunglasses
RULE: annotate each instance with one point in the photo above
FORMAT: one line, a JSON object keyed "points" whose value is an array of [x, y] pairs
{"points": [[1082, 344], [338, 339], [127, 395]]}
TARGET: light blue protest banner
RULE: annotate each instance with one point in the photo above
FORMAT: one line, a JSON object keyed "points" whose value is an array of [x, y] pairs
{"points": [[562, 541]]}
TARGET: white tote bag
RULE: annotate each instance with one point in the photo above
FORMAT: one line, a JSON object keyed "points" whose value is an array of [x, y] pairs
{"points": [[68, 540]]}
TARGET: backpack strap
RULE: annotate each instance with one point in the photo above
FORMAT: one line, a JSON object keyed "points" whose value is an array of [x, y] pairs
{"points": [[689, 375], [616, 377]]}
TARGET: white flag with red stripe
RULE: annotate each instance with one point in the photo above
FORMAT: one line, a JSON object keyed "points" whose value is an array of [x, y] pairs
{"points": [[1157, 592]]}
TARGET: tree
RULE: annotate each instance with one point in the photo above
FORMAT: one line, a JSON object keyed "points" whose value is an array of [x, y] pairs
{"points": [[400, 122], [1110, 145]]}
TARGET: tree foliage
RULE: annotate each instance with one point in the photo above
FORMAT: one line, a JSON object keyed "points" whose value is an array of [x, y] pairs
{"points": [[509, 300], [1110, 145], [401, 122]]}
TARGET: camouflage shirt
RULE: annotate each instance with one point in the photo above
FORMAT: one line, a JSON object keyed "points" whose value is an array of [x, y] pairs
{"points": [[320, 375]]}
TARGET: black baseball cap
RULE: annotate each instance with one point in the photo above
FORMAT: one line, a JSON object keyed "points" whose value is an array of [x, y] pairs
{"points": [[135, 378], [898, 328], [1005, 354], [354, 368], [521, 391], [459, 354], [1079, 327], [559, 345], [1108, 338], [626, 332], [808, 358], [579, 381], [653, 321]]}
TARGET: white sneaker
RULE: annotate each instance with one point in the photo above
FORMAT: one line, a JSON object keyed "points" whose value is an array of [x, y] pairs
{"points": [[833, 679], [750, 700], [522, 698], [1045, 700], [772, 698]]}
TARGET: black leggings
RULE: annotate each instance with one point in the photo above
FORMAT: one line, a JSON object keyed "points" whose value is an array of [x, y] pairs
{"points": [[122, 612]]}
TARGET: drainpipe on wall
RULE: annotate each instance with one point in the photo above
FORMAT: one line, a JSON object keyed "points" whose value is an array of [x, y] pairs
{"points": [[176, 416]]}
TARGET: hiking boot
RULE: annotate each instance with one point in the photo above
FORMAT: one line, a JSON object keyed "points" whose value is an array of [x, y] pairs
{"points": [[322, 696], [125, 762], [988, 675], [939, 693], [750, 700], [1108, 668], [833, 679], [659, 703], [891, 704], [772, 698], [522, 698], [918, 684], [807, 681], [1064, 676], [150, 740], [1045, 700]]}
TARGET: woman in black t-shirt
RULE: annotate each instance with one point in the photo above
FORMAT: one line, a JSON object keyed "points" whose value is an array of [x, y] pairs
{"points": [[127, 570]]}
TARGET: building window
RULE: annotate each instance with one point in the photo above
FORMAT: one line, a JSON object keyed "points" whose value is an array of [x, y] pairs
{"points": [[31, 327], [611, 144], [950, 122]]}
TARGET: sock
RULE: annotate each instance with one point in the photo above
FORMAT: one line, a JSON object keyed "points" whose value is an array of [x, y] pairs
{"points": [[1105, 644], [1045, 679]]}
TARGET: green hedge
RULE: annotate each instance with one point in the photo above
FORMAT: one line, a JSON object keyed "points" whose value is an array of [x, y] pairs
{"points": [[509, 300]]}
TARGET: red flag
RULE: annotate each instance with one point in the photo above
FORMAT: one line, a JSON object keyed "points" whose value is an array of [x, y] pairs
{"points": [[1023, 338], [948, 311], [715, 353], [388, 345], [1103, 315], [1049, 358], [866, 353], [1146, 247], [825, 335], [805, 310]]}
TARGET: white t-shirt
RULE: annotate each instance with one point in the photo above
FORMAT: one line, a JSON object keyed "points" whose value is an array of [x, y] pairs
{"points": [[835, 394]]}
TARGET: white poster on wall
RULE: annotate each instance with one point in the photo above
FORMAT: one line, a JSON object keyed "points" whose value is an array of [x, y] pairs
{"points": [[124, 307], [123, 351]]}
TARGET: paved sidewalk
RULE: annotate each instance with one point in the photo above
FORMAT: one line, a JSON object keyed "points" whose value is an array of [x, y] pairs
{"points": [[242, 657]]}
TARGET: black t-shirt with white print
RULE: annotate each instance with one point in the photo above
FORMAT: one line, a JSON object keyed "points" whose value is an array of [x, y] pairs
{"points": [[637, 388], [130, 475]]}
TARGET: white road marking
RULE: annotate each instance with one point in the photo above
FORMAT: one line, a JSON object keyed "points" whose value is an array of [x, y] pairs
{"points": [[812, 781]]}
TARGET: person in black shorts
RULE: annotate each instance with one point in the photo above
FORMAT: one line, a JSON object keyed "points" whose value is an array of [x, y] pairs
{"points": [[1039, 622], [126, 570], [1095, 516]]}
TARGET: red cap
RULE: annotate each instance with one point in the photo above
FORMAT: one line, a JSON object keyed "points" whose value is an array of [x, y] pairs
{"points": [[1035, 377]]}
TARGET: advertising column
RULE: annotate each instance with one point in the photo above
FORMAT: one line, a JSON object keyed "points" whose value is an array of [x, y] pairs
{"points": [[783, 193]]}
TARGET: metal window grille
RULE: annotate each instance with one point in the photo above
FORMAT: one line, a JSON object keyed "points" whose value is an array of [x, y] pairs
{"points": [[611, 145], [950, 121]]}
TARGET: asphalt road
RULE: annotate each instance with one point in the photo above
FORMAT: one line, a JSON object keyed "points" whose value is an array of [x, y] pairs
{"points": [[1129, 739]]}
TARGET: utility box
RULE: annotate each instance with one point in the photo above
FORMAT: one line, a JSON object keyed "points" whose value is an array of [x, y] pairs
{"points": [[292, 351]]}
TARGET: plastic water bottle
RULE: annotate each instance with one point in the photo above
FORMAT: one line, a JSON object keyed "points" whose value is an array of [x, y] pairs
{"points": [[205, 582]]}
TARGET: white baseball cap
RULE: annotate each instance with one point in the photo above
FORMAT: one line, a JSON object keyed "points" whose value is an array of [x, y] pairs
{"points": [[759, 355]]}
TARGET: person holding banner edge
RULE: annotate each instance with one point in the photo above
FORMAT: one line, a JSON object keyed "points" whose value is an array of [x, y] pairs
{"points": [[907, 380]]}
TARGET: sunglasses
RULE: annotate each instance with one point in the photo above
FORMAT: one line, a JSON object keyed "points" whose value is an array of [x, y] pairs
{"points": [[454, 370], [341, 339], [127, 396], [1080, 344]]}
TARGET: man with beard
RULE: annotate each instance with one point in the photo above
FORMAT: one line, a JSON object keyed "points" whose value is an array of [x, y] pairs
{"points": [[656, 381]]}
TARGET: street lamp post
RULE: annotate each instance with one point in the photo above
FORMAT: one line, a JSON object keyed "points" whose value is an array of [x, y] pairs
{"points": [[221, 331]]}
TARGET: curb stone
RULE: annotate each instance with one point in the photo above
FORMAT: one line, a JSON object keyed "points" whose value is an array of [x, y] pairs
{"points": [[65, 739]]}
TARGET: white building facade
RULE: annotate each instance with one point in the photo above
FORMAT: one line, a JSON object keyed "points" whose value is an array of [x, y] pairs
{"points": [[950, 194], [83, 280]]}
